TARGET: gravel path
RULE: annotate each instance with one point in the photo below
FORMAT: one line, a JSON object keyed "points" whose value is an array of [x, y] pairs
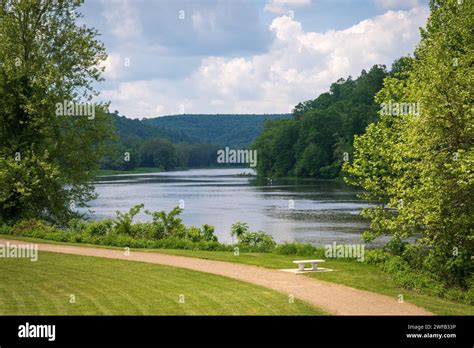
{"points": [[333, 298]]}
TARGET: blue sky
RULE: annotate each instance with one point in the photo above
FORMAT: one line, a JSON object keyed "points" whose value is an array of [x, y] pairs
{"points": [[242, 56]]}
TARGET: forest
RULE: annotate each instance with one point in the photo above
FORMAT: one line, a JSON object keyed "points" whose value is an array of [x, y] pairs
{"points": [[179, 141], [313, 142]]}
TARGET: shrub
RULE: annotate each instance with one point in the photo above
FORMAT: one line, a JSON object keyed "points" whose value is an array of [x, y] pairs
{"points": [[177, 243], [76, 225], [168, 224], [396, 246], [196, 234], [193, 233], [123, 222], [5, 229], [454, 269], [258, 240], [376, 256], [141, 230], [98, 228], [208, 233], [298, 249], [29, 225], [238, 229]]}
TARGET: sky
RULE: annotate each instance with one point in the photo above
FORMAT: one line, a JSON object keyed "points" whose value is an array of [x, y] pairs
{"points": [[169, 57]]}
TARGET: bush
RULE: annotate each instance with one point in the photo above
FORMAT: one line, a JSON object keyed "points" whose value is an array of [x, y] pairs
{"points": [[5, 229], [123, 222], [208, 233], [168, 224], [142, 230], [376, 256], [193, 233], [454, 269], [396, 246], [258, 240], [29, 225], [298, 249], [98, 228], [238, 229], [177, 243]]}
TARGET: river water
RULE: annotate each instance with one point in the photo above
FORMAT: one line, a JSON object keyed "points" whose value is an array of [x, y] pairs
{"points": [[319, 212]]}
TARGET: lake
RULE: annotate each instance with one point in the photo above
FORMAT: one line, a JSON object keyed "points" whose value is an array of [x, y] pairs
{"points": [[309, 211]]}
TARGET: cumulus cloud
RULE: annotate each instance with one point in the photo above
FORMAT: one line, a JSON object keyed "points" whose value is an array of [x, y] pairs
{"points": [[298, 66], [397, 4], [122, 18], [185, 27], [282, 6]]}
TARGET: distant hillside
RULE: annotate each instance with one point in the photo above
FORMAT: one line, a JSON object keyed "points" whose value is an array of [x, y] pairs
{"points": [[133, 129], [223, 130]]}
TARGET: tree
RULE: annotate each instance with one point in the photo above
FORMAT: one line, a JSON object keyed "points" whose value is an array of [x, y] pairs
{"points": [[313, 143], [48, 155], [159, 153], [418, 167]]}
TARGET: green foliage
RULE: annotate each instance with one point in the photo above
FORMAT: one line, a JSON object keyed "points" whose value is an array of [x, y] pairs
{"points": [[123, 222], [298, 249], [35, 225], [123, 232], [376, 256], [314, 142], [98, 228], [224, 130], [168, 224], [182, 141], [408, 278], [259, 240], [255, 240], [417, 168], [411, 267], [195, 234], [158, 153], [238, 229], [208, 233], [47, 161]]}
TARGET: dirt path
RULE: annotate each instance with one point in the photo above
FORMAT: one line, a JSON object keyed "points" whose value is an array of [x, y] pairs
{"points": [[334, 298]]}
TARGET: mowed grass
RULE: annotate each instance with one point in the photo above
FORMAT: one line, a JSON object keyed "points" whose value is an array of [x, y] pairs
{"points": [[347, 272], [115, 287]]}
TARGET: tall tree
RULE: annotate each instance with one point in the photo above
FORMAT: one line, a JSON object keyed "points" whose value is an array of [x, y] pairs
{"points": [[418, 165], [48, 155]]}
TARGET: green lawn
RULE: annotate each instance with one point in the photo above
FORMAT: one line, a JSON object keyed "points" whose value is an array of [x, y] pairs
{"points": [[350, 273], [116, 287]]}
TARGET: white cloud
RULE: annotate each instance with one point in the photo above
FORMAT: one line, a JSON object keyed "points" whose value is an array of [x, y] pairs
{"points": [[396, 4], [298, 66], [282, 6], [122, 18], [112, 65]]}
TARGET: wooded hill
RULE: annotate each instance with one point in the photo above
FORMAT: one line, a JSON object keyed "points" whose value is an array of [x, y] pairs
{"points": [[233, 130], [180, 141]]}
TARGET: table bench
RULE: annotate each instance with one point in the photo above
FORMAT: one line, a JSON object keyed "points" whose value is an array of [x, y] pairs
{"points": [[314, 264]]}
